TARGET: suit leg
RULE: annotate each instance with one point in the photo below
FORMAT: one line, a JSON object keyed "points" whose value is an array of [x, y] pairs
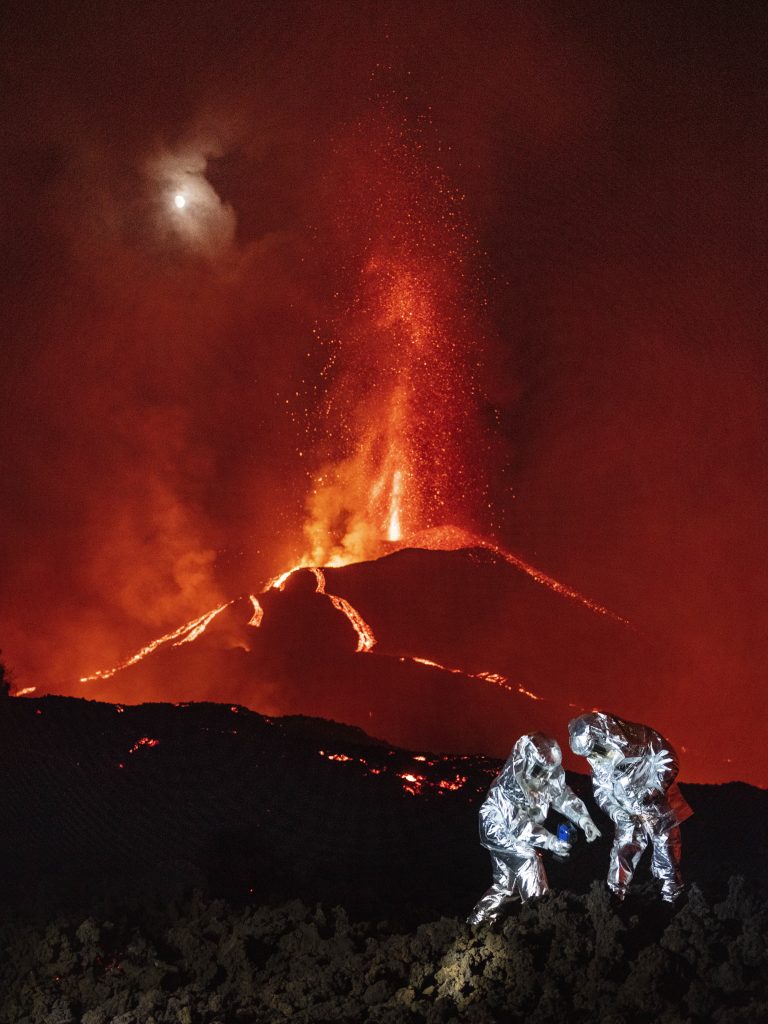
{"points": [[628, 845], [490, 905], [665, 863], [531, 878]]}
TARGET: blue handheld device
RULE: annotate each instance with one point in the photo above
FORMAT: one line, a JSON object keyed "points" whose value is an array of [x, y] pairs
{"points": [[565, 832]]}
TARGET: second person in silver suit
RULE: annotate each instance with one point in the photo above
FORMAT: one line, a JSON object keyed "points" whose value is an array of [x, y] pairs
{"points": [[633, 778]]}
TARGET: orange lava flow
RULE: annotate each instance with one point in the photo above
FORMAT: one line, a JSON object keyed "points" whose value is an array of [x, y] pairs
{"points": [[201, 625], [189, 631], [452, 538], [488, 677], [366, 640], [258, 612], [553, 584]]}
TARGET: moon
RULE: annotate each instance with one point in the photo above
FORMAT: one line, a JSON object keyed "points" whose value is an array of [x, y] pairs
{"points": [[180, 201]]}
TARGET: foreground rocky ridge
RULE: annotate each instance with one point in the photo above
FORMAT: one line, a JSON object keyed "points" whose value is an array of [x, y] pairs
{"points": [[567, 958], [202, 863]]}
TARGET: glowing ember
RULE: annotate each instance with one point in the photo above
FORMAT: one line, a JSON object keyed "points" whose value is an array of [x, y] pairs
{"points": [[258, 612], [24, 691], [453, 784], [145, 741], [413, 784], [528, 693], [495, 677]]}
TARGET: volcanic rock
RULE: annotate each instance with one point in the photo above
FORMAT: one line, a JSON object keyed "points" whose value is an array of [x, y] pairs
{"points": [[205, 863]]}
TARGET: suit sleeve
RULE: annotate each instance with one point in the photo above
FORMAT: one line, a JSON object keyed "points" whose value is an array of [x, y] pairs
{"points": [[567, 803]]}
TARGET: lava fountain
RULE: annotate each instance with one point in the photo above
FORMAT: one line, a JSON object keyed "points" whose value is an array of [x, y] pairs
{"points": [[401, 410]]}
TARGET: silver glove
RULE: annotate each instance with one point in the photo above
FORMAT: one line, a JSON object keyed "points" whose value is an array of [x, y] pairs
{"points": [[559, 847], [590, 829]]}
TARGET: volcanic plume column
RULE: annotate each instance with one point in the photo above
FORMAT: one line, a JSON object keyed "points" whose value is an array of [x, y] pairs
{"points": [[403, 397]]}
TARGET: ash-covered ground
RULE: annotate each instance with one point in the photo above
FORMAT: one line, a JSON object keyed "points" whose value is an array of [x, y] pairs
{"points": [[201, 863]]}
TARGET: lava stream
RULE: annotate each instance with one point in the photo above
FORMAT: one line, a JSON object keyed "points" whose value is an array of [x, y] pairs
{"points": [[201, 625], [189, 631], [258, 612], [452, 538], [553, 584], [488, 677], [366, 640]]}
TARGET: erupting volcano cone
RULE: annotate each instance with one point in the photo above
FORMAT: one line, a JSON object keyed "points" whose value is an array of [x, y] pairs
{"points": [[446, 650]]}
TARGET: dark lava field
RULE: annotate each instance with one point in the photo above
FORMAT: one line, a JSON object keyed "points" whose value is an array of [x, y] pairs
{"points": [[203, 864]]}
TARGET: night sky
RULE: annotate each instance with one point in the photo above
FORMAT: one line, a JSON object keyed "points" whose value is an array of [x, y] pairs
{"points": [[571, 198]]}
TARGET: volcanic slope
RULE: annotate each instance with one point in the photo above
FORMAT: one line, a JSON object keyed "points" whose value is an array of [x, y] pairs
{"points": [[204, 863], [456, 651]]}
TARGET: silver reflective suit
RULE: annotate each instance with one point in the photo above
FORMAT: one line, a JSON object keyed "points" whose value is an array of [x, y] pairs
{"points": [[511, 826], [633, 777]]}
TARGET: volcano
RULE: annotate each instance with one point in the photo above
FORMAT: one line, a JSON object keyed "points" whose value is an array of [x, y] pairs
{"points": [[454, 651]]}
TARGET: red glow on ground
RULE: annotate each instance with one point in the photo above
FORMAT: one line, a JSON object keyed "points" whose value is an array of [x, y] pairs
{"points": [[453, 784], [413, 783], [145, 741]]}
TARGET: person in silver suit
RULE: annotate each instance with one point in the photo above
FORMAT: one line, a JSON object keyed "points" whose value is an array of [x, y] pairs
{"points": [[633, 778], [511, 823]]}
